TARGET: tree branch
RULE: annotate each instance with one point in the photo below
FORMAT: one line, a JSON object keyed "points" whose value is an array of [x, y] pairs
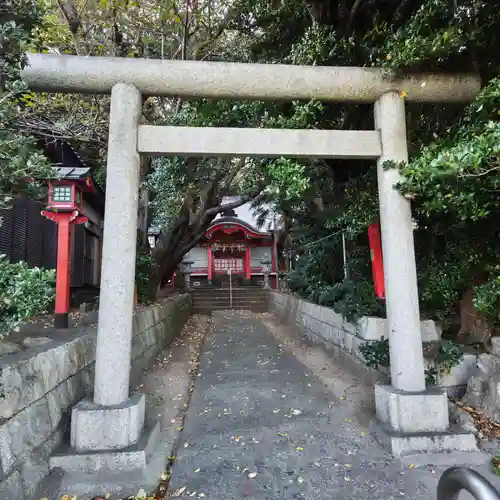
{"points": [[255, 196]]}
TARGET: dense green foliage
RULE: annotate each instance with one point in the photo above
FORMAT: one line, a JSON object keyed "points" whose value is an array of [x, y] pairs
{"points": [[452, 178], [22, 165], [143, 264], [24, 293]]}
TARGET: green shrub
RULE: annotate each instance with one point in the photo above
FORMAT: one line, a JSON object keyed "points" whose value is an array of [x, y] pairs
{"points": [[24, 292], [487, 300], [143, 265], [376, 354]]}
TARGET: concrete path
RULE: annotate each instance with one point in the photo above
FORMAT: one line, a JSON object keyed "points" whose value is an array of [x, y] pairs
{"points": [[260, 425]]}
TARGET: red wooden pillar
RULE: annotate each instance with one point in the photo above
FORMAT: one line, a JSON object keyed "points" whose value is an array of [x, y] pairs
{"points": [[377, 260], [210, 263], [64, 221], [63, 273], [274, 264], [248, 264]]}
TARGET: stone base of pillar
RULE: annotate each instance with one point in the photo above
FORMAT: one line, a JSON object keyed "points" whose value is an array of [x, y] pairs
{"points": [[109, 438], [134, 458], [412, 411], [98, 428], [418, 422]]}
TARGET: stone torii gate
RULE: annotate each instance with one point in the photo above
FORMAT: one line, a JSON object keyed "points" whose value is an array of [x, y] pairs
{"points": [[114, 414]]}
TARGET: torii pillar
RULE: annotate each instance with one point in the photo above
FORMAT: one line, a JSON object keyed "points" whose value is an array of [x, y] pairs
{"points": [[406, 406], [114, 419]]}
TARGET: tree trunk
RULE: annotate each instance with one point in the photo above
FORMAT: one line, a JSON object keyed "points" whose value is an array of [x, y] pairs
{"points": [[188, 230], [184, 236]]}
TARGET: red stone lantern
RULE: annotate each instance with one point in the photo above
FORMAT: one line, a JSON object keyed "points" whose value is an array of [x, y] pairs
{"points": [[65, 209]]}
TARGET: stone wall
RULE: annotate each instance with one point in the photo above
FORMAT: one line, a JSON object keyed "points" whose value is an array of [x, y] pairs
{"points": [[325, 326], [39, 386]]}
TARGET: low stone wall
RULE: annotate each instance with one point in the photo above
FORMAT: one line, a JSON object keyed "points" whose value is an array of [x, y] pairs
{"points": [[324, 325], [39, 387]]}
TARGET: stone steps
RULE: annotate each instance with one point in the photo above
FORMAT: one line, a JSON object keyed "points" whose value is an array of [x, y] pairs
{"points": [[206, 300]]}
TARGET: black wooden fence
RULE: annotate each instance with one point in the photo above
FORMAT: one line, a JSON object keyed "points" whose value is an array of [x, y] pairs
{"points": [[25, 235]]}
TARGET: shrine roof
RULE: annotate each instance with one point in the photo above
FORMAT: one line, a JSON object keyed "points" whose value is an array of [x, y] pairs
{"points": [[235, 221], [248, 213]]}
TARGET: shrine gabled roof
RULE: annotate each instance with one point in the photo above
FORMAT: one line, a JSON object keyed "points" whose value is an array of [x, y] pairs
{"points": [[234, 221]]}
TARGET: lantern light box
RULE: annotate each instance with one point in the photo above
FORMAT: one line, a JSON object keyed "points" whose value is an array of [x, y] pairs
{"points": [[65, 191]]}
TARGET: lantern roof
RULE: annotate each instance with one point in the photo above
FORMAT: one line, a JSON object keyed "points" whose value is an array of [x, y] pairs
{"points": [[72, 173]]}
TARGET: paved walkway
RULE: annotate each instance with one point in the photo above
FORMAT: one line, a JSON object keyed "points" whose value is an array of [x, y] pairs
{"points": [[260, 425]]}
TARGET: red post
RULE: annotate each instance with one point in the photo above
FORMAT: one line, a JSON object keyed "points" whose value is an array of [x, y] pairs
{"points": [[377, 260], [64, 221], [63, 270], [248, 264], [210, 264], [273, 258]]}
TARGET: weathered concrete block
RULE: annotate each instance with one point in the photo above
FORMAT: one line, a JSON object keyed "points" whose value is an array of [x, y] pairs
{"points": [[370, 328], [431, 331], [492, 399], [11, 488], [135, 457], [412, 412], [495, 346], [330, 317], [24, 432], [348, 341], [448, 442], [36, 465], [94, 427], [355, 348], [7, 348], [34, 342], [460, 374], [349, 327], [488, 364]]}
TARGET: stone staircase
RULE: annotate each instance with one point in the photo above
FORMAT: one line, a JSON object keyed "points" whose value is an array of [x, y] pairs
{"points": [[208, 299]]}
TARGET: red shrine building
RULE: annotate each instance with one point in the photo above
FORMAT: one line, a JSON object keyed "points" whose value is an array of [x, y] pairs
{"points": [[234, 243]]}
